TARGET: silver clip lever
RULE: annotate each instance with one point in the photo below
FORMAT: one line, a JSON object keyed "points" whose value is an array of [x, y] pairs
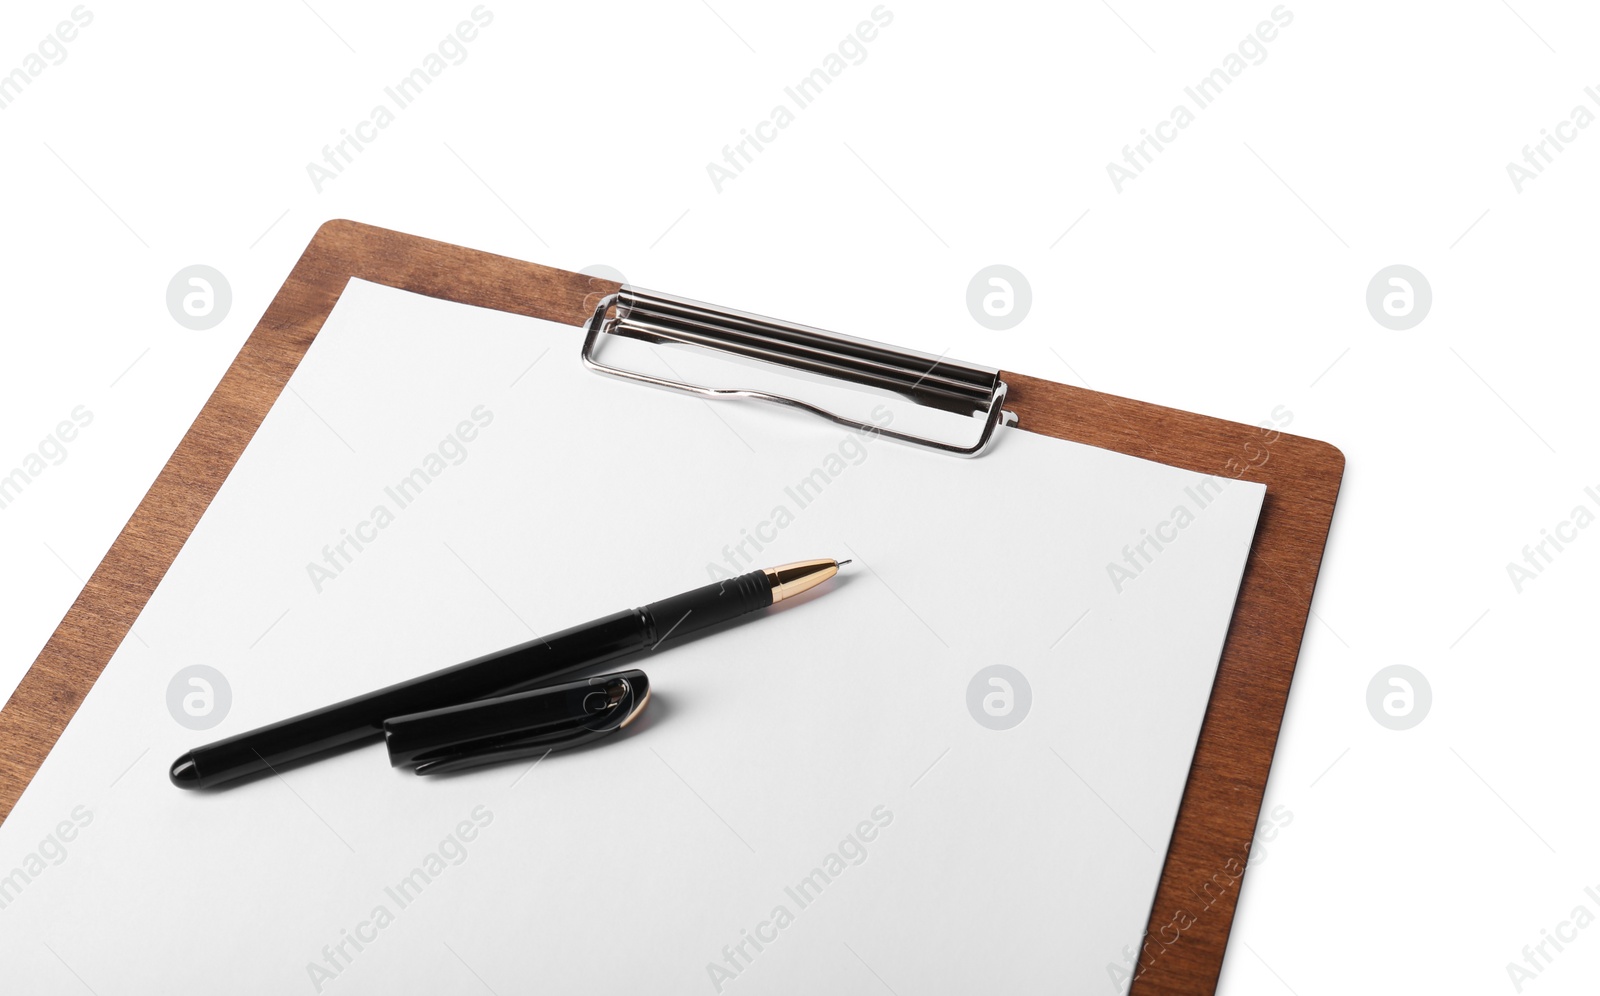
{"points": [[931, 381]]}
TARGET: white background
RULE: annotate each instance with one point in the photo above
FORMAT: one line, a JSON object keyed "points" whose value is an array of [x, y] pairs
{"points": [[1229, 278]]}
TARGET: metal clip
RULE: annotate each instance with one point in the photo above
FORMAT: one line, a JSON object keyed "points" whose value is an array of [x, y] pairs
{"points": [[931, 381]]}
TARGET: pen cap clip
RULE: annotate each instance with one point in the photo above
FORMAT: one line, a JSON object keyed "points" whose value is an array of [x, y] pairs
{"points": [[549, 717]]}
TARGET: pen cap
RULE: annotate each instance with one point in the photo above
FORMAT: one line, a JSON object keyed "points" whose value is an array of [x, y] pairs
{"points": [[551, 716]]}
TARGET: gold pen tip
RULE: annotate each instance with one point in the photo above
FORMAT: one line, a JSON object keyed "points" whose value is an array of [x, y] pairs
{"points": [[792, 579]]}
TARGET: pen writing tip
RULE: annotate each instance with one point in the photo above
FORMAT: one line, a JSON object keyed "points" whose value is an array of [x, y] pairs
{"points": [[843, 562]]}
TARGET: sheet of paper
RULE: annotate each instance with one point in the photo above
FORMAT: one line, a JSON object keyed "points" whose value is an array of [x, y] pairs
{"points": [[818, 801]]}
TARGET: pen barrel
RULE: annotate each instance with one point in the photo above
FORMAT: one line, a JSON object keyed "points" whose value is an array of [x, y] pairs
{"points": [[361, 718], [707, 606]]}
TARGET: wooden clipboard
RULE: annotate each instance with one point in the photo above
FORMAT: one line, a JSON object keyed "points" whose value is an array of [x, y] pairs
{"points": [[1189, 923]]}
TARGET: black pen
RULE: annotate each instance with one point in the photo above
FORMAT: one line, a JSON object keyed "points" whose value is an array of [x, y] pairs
{"points": [[517, 668]]}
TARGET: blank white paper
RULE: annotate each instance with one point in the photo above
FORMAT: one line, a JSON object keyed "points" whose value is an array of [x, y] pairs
{"points": [[809, 805]]}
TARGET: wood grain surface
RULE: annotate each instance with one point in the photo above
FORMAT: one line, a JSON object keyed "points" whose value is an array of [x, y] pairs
{"points": [[1194, 906]]}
